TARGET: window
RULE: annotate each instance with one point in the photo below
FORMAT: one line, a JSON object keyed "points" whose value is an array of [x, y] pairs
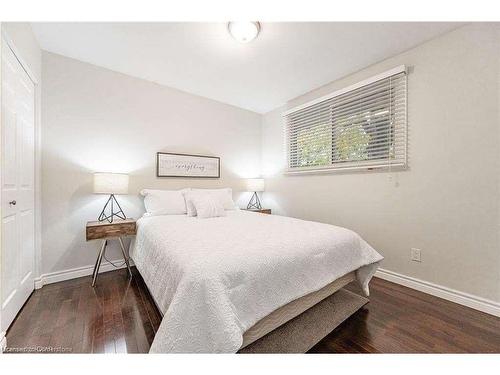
{"points": [[362, 126]]}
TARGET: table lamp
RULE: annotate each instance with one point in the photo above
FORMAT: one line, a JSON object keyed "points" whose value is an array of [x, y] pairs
{"points": [[255, 185], [111, 183]]}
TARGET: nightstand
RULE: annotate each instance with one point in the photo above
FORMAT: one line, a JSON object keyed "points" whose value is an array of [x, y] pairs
{"points": [[261, 210], [105, 231]]}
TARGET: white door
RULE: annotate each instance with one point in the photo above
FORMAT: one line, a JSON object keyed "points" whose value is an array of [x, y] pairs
{"points": [[17, 186]]}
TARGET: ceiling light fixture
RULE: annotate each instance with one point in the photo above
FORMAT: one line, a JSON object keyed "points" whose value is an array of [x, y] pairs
{"points": [[244, 32]]}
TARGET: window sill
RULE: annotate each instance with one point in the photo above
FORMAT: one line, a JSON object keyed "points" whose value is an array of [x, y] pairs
{"points": [[360, 168]]}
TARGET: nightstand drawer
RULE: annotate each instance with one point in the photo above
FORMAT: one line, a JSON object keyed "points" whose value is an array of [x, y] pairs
{"points": [[98, 230]]}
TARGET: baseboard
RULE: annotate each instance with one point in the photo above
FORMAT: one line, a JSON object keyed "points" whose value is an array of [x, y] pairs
{"points": [[465, 299], [55, 277], [3, 342]]}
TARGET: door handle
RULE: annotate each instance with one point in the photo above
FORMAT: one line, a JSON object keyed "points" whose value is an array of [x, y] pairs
{"points": [[12, 203]]}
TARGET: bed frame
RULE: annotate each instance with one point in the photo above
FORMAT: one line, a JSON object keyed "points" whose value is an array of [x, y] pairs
{"points": [[293, 309]]}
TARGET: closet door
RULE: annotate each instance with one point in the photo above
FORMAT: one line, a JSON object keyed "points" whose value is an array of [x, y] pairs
{"points": [[17, 187]]}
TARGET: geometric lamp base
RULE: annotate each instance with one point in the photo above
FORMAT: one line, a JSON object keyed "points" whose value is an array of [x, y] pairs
{"points": [[254, 203], [110, 207]]}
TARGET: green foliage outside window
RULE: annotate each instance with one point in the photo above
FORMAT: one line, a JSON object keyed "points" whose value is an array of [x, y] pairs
{"points": [[352, 140], [314, 147], [344, 139]]}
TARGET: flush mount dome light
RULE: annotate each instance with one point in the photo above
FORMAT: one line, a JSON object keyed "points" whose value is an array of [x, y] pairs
{"points": [[243, 32]]}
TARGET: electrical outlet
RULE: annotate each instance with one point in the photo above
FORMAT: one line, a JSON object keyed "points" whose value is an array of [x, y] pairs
{"points": [[415, 255]]}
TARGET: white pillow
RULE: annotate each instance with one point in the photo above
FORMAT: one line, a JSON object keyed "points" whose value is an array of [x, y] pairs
{"points": [[207, 206], [164, 202], [224, 196], [190, 208]]}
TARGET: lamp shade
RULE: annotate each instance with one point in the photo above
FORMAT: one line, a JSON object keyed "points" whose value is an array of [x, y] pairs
{"points": [[255, 184], [110, 183]]}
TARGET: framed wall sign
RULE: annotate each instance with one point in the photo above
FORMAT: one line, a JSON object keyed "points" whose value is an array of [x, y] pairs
{"points": [[184, 165]]}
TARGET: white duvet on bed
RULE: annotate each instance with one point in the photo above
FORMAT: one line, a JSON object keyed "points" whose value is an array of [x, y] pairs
{"points": [[215, 278]]}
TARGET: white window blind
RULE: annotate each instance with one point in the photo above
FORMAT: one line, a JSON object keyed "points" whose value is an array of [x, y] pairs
{"points": [[361, 126]]}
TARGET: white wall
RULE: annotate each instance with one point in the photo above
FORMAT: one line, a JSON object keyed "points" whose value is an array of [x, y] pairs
{"points": [[98, 120], [447, 203]]}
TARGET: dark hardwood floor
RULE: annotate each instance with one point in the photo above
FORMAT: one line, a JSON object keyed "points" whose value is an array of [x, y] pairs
{"points": [[117, 316], [120, 316], [403, 320]]}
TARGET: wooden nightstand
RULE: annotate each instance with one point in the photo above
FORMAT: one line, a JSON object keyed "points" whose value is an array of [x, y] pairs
{"points": [[102, 230], [262, 210]]}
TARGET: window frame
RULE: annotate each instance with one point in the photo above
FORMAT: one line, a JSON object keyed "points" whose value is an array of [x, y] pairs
{"points": [[356, 164]]}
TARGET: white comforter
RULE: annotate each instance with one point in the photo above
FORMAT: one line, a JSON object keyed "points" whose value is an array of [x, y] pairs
{"points": [[215, 278]]}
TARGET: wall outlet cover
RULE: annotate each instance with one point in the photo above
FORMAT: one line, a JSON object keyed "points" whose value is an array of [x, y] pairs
{"points": [[415, 255]]}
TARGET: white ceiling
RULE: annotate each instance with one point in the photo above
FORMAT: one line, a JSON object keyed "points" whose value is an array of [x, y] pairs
{"points": [[285, 61]]}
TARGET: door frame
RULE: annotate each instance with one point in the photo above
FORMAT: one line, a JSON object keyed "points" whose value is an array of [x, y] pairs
{"points": [[8, 42]]}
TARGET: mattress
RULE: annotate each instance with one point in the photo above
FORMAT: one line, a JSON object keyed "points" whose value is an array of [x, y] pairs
{"points": [[216, 279]]}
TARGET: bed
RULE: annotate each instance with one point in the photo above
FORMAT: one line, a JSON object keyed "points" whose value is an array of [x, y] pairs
{"points": [[224, 282]]}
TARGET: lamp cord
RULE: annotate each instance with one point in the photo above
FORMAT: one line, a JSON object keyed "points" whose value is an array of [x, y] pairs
{"points": [[113, 264]]}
